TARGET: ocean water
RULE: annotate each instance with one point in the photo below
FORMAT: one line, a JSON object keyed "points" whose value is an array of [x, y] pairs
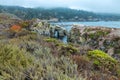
{"points": [[68, 25], [111, 24]]}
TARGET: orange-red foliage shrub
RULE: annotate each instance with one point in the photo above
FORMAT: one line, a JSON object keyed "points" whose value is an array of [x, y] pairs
{"points": [[16, 28]]}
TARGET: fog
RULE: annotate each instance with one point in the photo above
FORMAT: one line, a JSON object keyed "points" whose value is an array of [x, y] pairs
{"points": [[103, 6]]}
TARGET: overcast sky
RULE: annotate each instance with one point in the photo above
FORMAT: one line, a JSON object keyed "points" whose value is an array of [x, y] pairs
{"points": [[106, 6]]}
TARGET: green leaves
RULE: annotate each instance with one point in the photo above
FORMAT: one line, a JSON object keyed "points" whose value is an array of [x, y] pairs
{"points": [[102, 60]]}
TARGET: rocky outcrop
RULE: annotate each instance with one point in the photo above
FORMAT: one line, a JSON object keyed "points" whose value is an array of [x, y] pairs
{"points": [[44, 28], [106, 39]]}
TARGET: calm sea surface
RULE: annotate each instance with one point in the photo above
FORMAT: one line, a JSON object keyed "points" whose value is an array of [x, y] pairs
{"points": [[111, 24]]}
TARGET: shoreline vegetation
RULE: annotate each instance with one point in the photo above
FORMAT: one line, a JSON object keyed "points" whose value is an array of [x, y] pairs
{"points": [[32, 50]]}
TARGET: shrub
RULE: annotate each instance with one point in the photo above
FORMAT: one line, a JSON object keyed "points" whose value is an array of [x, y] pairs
{"points": [[102, 60], [82, 62], [63, 49], [53, 68], [24, 24], [13, 62], [45, 66], [15, 28], [98, 33], [67, 50], [51, 40]]}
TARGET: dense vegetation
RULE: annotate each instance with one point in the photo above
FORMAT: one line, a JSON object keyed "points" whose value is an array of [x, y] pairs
{"points": [[27, 55], [62, 14], [32, 57]]}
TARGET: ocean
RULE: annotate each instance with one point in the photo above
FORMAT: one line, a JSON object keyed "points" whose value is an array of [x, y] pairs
{"points": [[111, 24]]}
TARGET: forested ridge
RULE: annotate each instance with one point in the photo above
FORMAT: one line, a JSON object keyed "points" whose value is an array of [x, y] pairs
{"points": [[60, 14]]}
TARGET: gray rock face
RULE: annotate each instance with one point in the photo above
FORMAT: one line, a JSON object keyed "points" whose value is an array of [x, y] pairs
{"points": [[44, 28], [106, 39], [61, 32]]}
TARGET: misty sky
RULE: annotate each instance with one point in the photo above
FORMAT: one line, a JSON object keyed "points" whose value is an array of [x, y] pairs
{"points": [[105, 6]]}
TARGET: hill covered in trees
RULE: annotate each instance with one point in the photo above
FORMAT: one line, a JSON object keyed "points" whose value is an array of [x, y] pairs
{"points": [[57, 14]]}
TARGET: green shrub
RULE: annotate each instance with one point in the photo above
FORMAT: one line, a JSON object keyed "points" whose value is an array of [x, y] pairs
{"points": [[51, 40], [63, 49], [24, 24], [98, 33], [48, 67], [40, 64], [13, 62], [102, 60], [68, 50]]}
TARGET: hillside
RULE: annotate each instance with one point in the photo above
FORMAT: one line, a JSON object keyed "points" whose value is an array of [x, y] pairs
{"points": [[57, 14], [6, 21], [31, 50]]}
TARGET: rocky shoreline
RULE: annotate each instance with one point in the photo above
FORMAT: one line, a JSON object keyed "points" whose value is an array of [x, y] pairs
{"points": [[93, 37], [102, 38], [89, 52]]}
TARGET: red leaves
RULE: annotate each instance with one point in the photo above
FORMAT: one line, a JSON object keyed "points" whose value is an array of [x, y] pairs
{"points": [[16, 28]]}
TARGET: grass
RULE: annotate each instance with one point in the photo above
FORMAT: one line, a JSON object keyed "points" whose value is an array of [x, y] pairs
{"points": [[24, 58], [29, 56], [13, 62]]}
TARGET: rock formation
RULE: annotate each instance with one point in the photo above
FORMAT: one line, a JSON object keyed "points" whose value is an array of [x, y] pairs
{"points": [[105, 39], [44, 28]]}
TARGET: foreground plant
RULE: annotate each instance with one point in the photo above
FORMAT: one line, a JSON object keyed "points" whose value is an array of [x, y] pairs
{"points": [[102, 61]]}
